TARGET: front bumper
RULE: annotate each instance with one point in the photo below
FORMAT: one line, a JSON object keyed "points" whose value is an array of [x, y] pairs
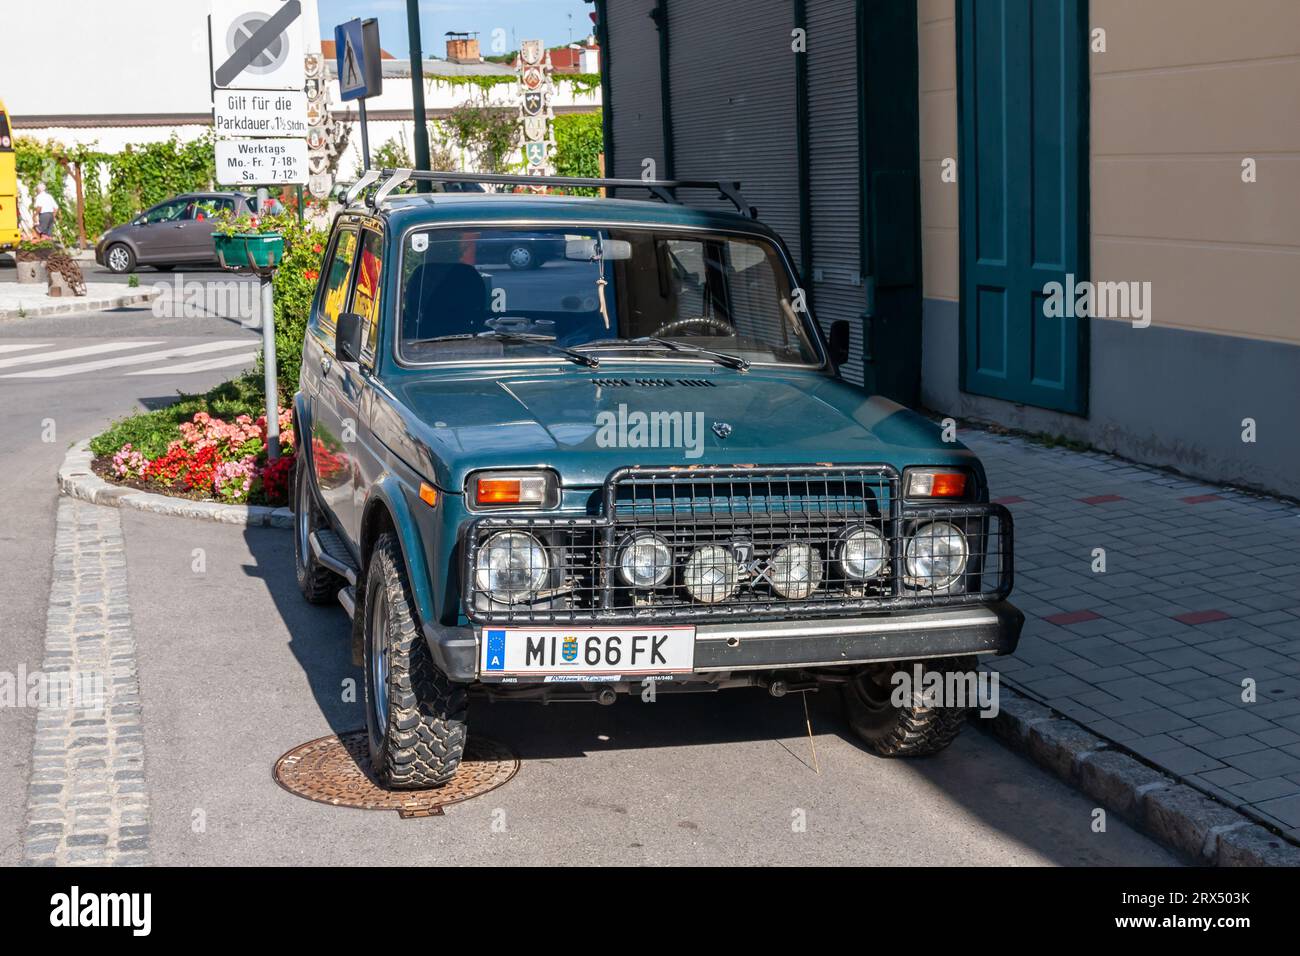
{"points": [[771, 645]]}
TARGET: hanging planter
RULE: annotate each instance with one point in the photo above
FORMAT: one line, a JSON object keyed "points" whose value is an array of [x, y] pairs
{"points": [[249, 250]]}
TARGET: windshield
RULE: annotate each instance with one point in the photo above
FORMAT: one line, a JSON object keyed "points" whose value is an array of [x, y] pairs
{"points": [[520, 293]]}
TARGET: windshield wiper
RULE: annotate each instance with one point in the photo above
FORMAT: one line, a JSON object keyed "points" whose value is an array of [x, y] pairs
{"points": [[517, 338], [722, 358]]}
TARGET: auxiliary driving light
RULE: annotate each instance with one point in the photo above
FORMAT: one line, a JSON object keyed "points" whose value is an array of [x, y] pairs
{"points": [[862, 554], [645, 560], [935, 556], [511, 567], [796, 570], [710, 574]]}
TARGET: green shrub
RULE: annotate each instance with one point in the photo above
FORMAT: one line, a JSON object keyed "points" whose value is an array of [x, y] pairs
{"points": [[293, 287], [151, 432]]}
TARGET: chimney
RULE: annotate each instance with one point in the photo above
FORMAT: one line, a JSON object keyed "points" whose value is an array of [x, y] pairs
{"points": [[463, 48]]}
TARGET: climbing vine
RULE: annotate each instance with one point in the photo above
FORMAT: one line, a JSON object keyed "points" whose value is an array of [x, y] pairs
{"points": [[579, 141]]}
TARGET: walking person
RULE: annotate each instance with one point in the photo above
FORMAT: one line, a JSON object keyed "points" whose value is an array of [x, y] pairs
{"points": [[47, 210]]}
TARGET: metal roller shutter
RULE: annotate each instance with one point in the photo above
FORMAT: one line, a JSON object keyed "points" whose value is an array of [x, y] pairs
{"points": [[634, 104], [732, 81], [834, 171]]}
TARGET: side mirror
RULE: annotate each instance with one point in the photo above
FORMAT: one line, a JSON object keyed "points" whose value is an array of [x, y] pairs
{"points": [[840, 341], [347, 337]]}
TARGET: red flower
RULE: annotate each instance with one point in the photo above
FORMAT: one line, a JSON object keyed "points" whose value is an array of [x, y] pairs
{"points": [[275, 480], [311, 274], [318, 248]]}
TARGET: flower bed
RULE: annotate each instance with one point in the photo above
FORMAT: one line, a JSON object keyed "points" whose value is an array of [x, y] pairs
{"points": [[208, 448]]}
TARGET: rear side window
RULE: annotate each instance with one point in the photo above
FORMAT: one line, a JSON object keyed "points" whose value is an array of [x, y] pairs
{"points": [[365, 299], [334, 294]]}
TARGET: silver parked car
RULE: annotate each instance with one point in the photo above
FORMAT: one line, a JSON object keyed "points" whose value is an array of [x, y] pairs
{"points": [[175, 232]]}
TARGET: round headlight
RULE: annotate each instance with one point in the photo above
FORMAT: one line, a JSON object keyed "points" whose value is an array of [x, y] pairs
{"points": [[796, 570], [710, 574], [862, 554], [936, 555], [645, 560], [512, 567]]}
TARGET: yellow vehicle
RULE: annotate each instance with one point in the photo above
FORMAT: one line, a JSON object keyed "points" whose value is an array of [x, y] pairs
{"points": [[9, 234]]}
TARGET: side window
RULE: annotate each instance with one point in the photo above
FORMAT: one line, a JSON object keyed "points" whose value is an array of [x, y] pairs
{"points": [[365, 298], [334, 295], [168, 211]]}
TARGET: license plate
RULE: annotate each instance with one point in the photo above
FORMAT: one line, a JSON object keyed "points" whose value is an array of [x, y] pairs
{"points": [[610, 653]]}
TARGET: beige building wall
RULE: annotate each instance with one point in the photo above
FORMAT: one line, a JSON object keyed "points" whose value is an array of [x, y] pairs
{"points": [[937, 71], [1186, 90]]}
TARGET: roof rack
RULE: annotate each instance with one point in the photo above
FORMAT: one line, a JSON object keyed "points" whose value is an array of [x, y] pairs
{"points": [[659, 188]]}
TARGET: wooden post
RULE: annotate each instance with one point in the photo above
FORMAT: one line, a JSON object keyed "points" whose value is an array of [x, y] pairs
{"points": [[81, 206], [600, 160]]}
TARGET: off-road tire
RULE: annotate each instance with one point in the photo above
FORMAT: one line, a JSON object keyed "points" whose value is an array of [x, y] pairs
{"points": [[319, 585], [913, 730], [422, 740]]}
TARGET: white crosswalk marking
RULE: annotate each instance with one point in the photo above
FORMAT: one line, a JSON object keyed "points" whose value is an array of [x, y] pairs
{"points": [[137, 359], [97, 349], [23, 348], [221, 361]]}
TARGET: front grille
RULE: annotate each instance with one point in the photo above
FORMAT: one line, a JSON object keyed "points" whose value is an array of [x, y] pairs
{"points": [[743, 542]]}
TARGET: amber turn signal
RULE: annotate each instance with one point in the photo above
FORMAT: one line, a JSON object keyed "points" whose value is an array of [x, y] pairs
{"points": [[936, 484], [428, 494]]}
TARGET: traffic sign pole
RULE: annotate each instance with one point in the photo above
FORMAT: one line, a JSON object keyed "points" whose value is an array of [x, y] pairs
{"points": [[365, 135], [417, 93], [269, 382]]}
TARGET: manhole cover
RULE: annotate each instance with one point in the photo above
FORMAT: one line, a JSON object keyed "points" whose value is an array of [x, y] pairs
{"points": [[336, 770]]}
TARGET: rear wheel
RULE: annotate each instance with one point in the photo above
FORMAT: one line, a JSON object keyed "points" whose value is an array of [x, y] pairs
{"points": [[319, 585], [119, 258], [416, 717], [915, 728]]}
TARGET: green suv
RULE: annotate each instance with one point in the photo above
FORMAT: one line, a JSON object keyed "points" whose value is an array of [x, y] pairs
{"points": [[630, 468]]}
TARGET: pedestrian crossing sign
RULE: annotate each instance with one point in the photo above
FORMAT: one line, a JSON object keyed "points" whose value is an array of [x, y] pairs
{"points": [[356, 53]]}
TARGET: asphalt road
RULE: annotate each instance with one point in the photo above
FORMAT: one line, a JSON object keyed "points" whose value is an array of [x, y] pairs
{"points": [[77, 405], [235, 670]]}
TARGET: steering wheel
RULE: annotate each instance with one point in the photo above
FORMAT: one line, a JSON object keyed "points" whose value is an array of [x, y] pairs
{"points": [[707, 321]]}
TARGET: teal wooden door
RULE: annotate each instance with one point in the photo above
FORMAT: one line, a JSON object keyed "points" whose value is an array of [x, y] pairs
{"points": [[1022, 175]]}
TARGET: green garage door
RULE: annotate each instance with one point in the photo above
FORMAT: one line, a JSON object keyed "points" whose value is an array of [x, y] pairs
{"points": [[1023, 123]]}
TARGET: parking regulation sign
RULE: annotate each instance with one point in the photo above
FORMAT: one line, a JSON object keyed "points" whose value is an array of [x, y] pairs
{"points": [[263, 162], [257, 44]]}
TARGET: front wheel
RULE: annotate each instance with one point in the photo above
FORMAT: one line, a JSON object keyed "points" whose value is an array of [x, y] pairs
{"points": [[119, 258], [893, 718], [416, 717]]}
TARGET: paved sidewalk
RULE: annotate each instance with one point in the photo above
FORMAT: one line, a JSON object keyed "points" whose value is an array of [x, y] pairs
{"points": [[20, 300], [1200, 595]]}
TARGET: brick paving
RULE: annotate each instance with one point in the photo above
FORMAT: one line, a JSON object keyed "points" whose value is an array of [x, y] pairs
{"points": [[86, 800], [1201, 591]]}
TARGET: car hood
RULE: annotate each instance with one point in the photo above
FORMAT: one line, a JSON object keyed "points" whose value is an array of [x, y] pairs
{"points": [[588, 423]]}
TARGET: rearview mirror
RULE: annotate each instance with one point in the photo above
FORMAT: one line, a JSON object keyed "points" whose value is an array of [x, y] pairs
{"points": [[347, 337], [586, 250], [840, 341]]}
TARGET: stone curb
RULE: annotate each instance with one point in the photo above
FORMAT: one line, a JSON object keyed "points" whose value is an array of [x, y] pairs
{"points": [[1184, 820], [77, 480], [83, 304]]}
